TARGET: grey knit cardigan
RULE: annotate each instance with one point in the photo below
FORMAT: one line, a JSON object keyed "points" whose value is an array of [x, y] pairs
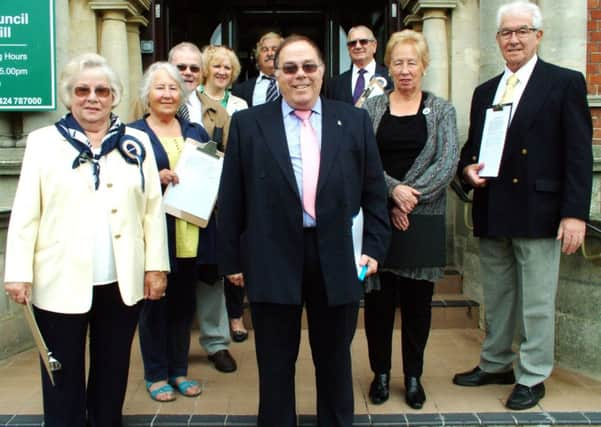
{"points": [[432, 170]]}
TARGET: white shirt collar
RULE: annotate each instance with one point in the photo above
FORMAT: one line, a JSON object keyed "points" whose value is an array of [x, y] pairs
{"points": [[370, 68]]}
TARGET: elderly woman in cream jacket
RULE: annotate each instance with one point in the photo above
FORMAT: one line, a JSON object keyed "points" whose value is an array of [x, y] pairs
{"points": [[87, 242]]}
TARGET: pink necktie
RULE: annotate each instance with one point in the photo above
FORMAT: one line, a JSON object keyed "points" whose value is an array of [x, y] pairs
{"points": [[310, 159]]}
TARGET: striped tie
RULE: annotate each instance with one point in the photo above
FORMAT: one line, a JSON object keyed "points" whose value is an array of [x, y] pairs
{"points": [[183, 112], [512, 82], [272, 90]]}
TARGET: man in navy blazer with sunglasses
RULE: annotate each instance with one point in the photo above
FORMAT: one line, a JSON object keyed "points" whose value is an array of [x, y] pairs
{"points": [[348, 86], [285, 231]]}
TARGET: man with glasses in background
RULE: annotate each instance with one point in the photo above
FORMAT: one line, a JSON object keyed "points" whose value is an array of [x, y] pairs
{"points": [[349, 86], [210, 298], [295, 175], [533, 210], [263, 88]]}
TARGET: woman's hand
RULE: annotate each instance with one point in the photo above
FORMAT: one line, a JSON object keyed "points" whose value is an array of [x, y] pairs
{"points": [[405, 197], [155, 283], [167, 177], [19, 292], [399, 219]]}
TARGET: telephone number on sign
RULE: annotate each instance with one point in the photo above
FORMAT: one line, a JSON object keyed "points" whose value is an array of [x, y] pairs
{"points": [[20, 100]]}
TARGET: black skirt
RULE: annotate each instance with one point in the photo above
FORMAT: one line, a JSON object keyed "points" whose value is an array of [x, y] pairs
{"points": [[422, 245]]}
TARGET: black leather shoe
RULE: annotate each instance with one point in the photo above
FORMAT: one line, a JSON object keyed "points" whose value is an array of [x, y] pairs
{"points": [[239, 336], [524, 397], [379, 390], [477, 377], [223, 361], [414, 393]]}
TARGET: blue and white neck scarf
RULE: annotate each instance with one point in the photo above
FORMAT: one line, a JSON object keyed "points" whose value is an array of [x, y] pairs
{"points": [[130, 147]]}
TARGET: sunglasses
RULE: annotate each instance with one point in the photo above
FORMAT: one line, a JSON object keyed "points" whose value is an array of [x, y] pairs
{"points": [[100, 91], [193, 68], [362, 42], [291, 68]]}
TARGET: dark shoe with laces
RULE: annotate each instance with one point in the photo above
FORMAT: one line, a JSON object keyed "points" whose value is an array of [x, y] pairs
{"points": [[477, 377], [524, 397], [414, 393], [379, 390], [223, 361]]}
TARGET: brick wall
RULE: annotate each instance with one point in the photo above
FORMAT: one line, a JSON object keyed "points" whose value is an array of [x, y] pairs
{"points": [[593, 63]]}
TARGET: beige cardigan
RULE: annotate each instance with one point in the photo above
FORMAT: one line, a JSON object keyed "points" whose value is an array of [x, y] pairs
{"points": [[49, 240]]}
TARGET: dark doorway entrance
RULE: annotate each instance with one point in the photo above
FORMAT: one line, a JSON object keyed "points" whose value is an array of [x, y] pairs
{"points": [[240, 23]]}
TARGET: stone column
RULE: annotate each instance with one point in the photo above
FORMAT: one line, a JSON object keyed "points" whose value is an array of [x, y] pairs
{"points": [[491, 61], [114, 46], [135, 58], [84, 37], [565, 33], [436, 79], [434, 19], [34, 120], [6, 134]]}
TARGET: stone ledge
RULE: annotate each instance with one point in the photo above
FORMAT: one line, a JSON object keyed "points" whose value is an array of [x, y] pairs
{"points": [[10, 160]]}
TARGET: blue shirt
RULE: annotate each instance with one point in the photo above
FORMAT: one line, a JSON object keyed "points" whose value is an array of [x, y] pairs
{"points": [[292, 126]]}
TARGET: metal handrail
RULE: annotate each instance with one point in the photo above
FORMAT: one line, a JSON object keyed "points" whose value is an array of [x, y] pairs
{"points": [[466, 199]]}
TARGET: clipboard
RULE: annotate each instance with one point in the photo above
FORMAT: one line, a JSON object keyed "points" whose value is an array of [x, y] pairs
{"points": [[50, 363], [496, 124], [199, 170]]}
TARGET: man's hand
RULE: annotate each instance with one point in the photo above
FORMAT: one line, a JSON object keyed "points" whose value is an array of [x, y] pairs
{"points": [[571, 231], [236, 279], [405, 197], [155, 283], [470, 175], [399, 219], [372, 264], [19, 292]]}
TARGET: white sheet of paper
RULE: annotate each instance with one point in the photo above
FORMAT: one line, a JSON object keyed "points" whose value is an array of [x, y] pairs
{"points": [[493, 140], [193, 199], [357, 231]]}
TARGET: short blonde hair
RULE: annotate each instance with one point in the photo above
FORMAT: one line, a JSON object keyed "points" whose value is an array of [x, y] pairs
{"points": [[149, 77], [212, 54], [417, 40], [84, 62]]}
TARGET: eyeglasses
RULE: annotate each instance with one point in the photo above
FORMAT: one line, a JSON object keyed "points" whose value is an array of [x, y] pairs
{"points": [[292, 68], [521, 33], [100, 91], [192, 67], [362, 42]]}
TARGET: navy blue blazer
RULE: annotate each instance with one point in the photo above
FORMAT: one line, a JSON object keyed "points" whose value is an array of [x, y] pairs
{"points": [[206, 253], [546, 168], [339, 87], [260, 225]]}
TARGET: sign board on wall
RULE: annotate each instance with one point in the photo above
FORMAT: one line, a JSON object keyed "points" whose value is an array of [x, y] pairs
{"points": [[27, 62]]}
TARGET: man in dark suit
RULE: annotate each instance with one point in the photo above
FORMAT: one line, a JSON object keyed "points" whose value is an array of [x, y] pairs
{"points": [[285, 231], [533, 210], [348, 86], [263, 88]]}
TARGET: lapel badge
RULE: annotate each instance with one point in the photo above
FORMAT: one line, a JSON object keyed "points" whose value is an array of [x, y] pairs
{"points": [[426, 111], [339, 123]]}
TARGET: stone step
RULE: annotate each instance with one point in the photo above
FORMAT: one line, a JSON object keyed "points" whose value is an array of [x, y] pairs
{"points": [[451, 283]]}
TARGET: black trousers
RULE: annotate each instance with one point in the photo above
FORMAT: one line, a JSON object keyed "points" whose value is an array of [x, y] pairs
{"points": [[111, 329], [415, 298], [277, 330], [234, 299]]}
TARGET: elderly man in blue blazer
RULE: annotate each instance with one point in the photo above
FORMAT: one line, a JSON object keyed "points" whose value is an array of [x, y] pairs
{"points": [[291, 186], [349, 86], [535, 208]]}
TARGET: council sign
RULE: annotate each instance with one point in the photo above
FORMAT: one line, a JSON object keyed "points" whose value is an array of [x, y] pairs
{"points": [[27, 63]]}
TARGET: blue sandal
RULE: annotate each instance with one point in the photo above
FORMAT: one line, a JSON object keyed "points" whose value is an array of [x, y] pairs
{"points": [[184, 386], [167, 388]]}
